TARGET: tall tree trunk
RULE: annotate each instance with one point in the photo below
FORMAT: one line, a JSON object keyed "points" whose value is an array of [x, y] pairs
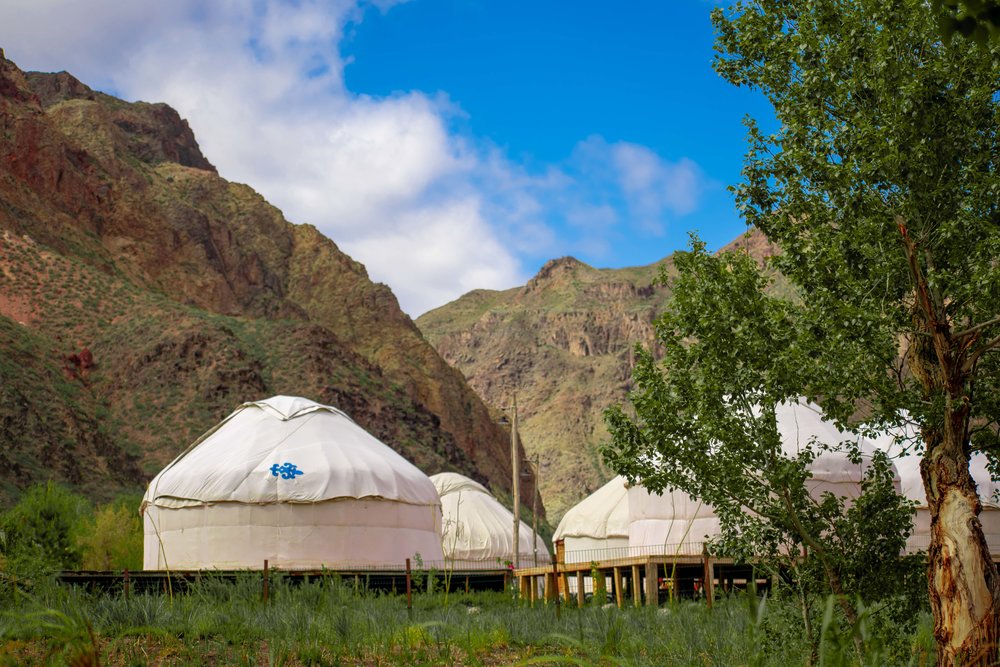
{"points": [[962, 577]]}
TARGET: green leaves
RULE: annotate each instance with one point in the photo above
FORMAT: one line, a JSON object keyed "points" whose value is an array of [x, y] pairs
{"points": [[879, 191], [705, 421]]}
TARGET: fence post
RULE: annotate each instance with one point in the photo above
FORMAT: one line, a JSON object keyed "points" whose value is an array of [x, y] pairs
{"points": [[126, 583], [652, 583], [555, 583], [409, 598], [266, 578]]}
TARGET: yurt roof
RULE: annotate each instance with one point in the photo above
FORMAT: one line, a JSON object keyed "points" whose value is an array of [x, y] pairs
{"points": [[476, 524], [602, 514], [671, 505], [288, 449], [452, 482]]}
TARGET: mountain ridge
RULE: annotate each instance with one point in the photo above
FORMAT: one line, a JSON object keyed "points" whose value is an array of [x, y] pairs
{"points": [[192, 294], [563, 343]]}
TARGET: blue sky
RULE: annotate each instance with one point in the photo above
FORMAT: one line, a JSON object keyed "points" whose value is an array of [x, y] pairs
{"points": [[445, 144]]}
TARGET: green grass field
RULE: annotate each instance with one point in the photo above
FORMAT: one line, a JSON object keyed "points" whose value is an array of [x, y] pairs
{"points": [[327, 623]]}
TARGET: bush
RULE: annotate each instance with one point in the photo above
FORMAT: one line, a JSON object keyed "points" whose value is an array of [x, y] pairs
{"points": [[112, 539], [40, 532]]}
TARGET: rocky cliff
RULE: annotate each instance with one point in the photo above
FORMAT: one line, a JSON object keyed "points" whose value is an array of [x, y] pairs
{"points": [[143, 297], [564, 344]]}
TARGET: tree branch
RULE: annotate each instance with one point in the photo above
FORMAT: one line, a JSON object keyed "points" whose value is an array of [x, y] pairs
{"points": [[978, 327], [974, 357], [937, 323]]}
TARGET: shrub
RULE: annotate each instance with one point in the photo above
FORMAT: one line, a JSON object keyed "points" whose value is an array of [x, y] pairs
{"points": [[112, 539], [39, 532]]}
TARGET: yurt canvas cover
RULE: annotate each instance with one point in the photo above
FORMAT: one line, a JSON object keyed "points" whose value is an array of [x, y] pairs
{"points": [[597, 526], [477, 531], [296, 483], [800, 423], [669, 523], [678, 524]]}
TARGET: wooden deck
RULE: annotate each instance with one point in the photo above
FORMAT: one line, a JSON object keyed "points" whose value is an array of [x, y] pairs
{"points": [[635, 580]]}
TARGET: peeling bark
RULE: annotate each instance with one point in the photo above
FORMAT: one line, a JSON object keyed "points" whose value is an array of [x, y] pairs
{"points": [[961, 575], [962, 578]]}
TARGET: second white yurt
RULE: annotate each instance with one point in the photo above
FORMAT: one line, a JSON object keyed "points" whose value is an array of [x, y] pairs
{"points": [[477, 531], [596, 528], [294, 482], [801, 423]]}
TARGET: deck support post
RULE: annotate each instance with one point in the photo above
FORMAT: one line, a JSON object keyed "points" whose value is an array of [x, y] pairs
{"points": [[652, 584], [709, 574]]}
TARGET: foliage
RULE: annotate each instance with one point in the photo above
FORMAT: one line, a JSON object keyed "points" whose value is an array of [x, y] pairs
{"points": [[708, 426], [40, 532], [113, 539], [976, 19], [882, 180]]}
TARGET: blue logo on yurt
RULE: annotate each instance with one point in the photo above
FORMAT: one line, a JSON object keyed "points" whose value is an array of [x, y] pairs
{"points": [[286, 470]]}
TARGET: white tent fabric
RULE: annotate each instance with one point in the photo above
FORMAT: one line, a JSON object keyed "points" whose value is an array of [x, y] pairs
{"points": [[597, 526], [670, 523], [677, 524], [294, 482], [477, 530], [908, 465], [799, 424]]}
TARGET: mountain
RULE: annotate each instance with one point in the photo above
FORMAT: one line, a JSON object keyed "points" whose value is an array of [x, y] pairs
{"points": [[143, 297], [564, 344]]}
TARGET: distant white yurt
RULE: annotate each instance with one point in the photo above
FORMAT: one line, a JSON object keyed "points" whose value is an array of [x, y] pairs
{"points": [[678, 524], [801, 423], [296, 483], [913, 489], [597, 526], [477, 531]]}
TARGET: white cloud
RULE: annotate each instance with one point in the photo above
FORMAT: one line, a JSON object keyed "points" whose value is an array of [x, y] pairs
{"points": [[430, 213], [654, 185], [436, 251]]}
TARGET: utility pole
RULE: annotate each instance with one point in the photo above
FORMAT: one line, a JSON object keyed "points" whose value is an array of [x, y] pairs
{"points": [[534, 509], [515, 460]]}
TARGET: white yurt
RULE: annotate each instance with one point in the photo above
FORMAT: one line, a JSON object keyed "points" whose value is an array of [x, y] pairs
{"points": [[477, 531], [801, 423], [296, 483], [669, 523], [675, 523], [597, 526], [913, 488]]}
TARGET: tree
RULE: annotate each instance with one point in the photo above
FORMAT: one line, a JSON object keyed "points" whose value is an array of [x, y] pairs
{"points": [[112, 538], [881, 191], [737, 358]]}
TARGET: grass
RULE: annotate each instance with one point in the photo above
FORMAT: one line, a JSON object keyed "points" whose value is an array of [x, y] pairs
{"points": [[327, 623]]}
